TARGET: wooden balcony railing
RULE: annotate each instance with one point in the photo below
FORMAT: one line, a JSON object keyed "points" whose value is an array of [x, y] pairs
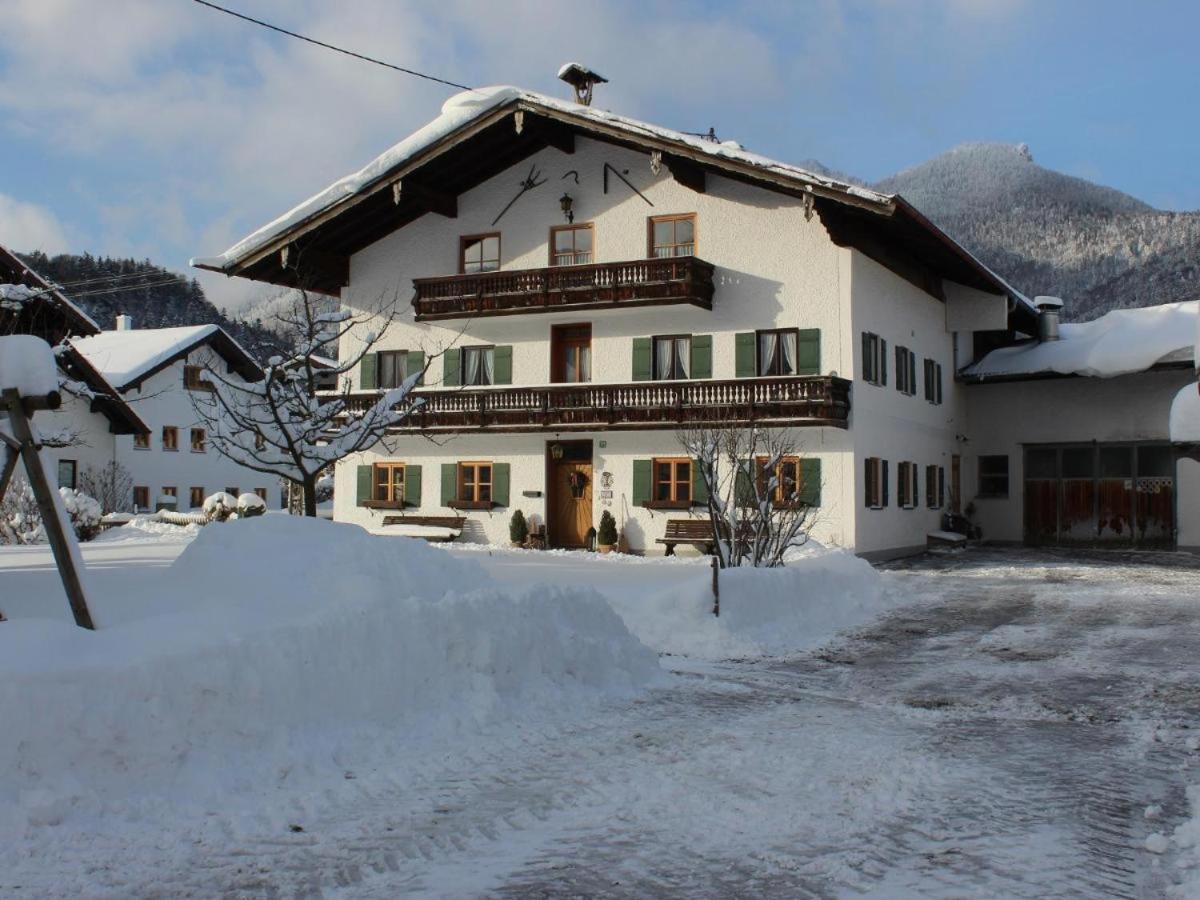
{"points": [[783, 401], [642, 282]]}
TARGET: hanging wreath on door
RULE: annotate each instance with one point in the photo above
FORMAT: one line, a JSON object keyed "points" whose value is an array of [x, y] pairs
{"points": [[577, 481]]}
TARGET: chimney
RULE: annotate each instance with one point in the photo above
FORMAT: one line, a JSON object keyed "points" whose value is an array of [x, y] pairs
{"points": [[124, 322], [1048, 309], [582, 79]]}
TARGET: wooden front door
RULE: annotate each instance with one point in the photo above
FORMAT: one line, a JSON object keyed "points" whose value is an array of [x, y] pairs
{"points": [[570, 503]]}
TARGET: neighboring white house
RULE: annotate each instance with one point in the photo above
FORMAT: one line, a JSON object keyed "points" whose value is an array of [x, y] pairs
{"points": [[157, 370], [585, 285]]}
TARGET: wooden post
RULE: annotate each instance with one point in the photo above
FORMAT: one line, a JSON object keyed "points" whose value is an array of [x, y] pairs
{"points": [[58, 538], [716, 586], [12, 453]]}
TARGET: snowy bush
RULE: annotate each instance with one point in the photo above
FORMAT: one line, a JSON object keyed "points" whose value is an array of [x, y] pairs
{"points": [[84, 512], [21, 520], [518, 528], [219, 506], [250, 505]]}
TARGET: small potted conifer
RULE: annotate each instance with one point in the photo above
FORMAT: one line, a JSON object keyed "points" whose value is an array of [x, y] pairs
{"points": [[606, 537], [518, 529]]}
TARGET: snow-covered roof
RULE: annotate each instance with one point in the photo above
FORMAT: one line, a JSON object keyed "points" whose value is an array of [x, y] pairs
{"points": [[126, 357], [27, 365], [14, 269], [464, 108], [1118, 343]]}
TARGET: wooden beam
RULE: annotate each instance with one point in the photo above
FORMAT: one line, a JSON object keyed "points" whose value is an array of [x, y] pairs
{"points": [[552, 134], [440, 202], [686, 172], [320, 268]]}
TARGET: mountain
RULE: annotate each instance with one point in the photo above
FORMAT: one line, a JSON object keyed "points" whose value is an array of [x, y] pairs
{"points": [[153, 296], [1049, 233]]}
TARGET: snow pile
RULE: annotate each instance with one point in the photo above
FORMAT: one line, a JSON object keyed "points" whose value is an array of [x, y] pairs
{"points": [[764, 612], [249, 505], [283, 647], [1186, 839], [27, 364], [1185, 415], [1118, 343], [219, 506], [156, 527]]}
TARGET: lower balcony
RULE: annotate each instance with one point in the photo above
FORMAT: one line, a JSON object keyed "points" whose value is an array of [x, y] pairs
{"points": [[642, 282], [784, 401]]}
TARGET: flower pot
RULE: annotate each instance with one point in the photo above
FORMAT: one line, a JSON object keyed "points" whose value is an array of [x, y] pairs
{"points": [[606, 548]]}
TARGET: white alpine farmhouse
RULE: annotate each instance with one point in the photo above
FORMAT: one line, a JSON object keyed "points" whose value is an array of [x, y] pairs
{"points": [[585, 285]]}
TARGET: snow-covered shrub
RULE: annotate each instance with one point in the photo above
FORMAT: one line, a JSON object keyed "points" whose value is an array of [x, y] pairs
{"points": [[219, 506], [325, 487], [250, 505], [21, 520], [83, 510]]}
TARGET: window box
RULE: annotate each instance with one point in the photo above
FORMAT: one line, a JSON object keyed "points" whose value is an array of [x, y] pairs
{"points": [[670, 504], [472, 504]]}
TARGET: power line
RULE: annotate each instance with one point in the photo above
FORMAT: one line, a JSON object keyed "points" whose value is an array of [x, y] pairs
{"points": [[370, 59]]}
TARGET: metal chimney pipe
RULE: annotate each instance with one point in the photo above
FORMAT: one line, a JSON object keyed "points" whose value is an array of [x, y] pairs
{"points": [[1049, 310]]}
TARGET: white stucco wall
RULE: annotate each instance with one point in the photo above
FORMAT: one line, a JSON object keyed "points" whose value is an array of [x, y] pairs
{"points": [[92, 444], [1003, 417], [1187, 474]]}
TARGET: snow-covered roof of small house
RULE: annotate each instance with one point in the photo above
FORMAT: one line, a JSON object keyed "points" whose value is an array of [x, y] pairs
{"points": [[470, 114], [20, 286], [128, 357], [1118, 343]]}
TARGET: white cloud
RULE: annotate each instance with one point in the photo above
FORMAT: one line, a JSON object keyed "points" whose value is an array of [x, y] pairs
{"points": [[26, 226]]}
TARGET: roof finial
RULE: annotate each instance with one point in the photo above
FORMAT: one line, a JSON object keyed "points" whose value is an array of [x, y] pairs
{"points": [[582, 79]]}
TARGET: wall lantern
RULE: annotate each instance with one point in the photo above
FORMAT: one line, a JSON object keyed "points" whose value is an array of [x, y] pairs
{"points": [[566, 203], [556, 451]]}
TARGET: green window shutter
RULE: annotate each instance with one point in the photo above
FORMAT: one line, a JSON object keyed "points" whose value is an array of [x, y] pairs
{"points": [[702, 356], [412, 485], [500, 480], [416, 362], [449, 483], [699, 488], [642, 355], [641, 481], [365, 484], [502, 368], [810, 482], [883, 481], [745, 365], [883, 362], [368, 372], [452, 367], [808, 352], [743, 489]]}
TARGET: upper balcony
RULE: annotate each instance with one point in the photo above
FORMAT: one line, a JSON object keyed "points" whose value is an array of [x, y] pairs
{"points": [[641, 282]]}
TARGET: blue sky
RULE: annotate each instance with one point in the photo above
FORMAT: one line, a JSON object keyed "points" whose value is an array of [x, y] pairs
{"points": [[160, 129]]}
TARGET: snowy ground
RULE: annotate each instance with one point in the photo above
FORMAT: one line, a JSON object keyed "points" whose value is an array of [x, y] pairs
{"points": [[1003, 733]]}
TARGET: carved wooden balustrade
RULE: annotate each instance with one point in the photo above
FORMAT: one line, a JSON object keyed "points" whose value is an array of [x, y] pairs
{"points": [[642, 282], [784, 401]]}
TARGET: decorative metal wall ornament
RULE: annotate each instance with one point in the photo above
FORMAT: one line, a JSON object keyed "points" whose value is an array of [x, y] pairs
{"points": [[528, 183], [572, 174], [608, 168]]}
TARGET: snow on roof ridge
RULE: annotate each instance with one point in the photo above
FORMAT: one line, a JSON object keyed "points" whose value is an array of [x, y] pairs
{"points": [[1120, 342], [124, 356], [462, 108]]}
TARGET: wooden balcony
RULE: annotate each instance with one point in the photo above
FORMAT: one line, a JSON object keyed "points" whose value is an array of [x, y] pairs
{"points": [[619, 285], [784, 401]]}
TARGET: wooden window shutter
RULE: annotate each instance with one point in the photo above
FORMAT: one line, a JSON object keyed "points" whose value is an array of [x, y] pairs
{"points": [[901, 371], [883, 362], [642, 470], [941, 486], [642, 359], [416, 362], [938, 383], [702, 356], [501, 476], [868, 360], [412, 485], [743, 488], [365, 484], [883, 482], [502, 361], [912, 373], [745, 361], [452, 367], [869, 482], [810, 481], [449, 483], [699, 488], [368, 372], [808, 352]]}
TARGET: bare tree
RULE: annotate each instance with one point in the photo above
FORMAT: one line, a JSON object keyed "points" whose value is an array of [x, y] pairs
{"points": [[286, 424], [111, 485], [760, 489]]}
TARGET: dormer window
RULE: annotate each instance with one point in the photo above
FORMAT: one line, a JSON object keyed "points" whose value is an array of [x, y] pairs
{"points": [[479, 253], [571, 245], [672, 236]]}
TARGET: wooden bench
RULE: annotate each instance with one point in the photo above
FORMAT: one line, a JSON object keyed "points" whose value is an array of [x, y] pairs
{"points": [[450, 523], [697, 532]]}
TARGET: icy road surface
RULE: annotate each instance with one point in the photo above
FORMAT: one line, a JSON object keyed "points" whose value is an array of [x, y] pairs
{"points": [[1001, 737]]}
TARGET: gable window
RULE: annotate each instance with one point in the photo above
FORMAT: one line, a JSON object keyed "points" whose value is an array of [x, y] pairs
{"points": [[673, 235], [475, 484], [479, 253], [993, 476], [67, 473], [672, 357], [478, 365], [672, 482], [393, 368], [571, 245], [389, 482], [906, 371], [876, 482], [199, 440], [192, 379], [874, 352], [906, 475], [933, 382], [141, 497], [195, 497], [777, 351], [935, 486], [170, 437], [141, 441]]}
